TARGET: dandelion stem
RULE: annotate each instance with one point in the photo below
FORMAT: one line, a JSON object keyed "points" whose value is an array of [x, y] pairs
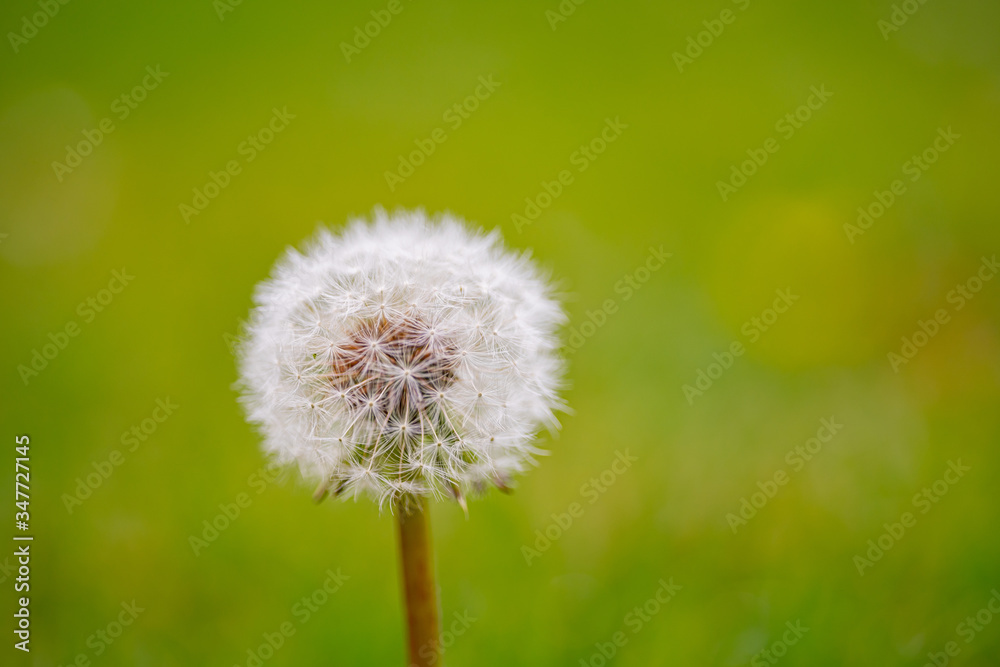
{"points": [[419, 589]]}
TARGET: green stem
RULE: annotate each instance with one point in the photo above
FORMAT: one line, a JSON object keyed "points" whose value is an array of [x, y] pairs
{"points": [[419, 589]]}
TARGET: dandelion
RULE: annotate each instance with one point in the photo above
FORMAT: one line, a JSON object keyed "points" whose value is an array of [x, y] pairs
{"points": [[404, 359]]}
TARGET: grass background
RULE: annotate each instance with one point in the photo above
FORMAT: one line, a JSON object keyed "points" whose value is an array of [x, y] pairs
{"points": [[166, 334]]}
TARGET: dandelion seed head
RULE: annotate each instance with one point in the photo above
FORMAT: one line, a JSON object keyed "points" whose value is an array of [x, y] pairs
{"points": [[402, 357]]}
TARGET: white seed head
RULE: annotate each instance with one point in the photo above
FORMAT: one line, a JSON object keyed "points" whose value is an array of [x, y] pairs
{"points": [[404, 357]]}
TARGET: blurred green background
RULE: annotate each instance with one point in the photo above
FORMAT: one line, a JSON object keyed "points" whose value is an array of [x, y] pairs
{"points": [[167, 333]]}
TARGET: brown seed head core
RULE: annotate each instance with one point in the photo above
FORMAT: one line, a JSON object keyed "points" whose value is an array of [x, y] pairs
{"points": [[393, 367]]}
